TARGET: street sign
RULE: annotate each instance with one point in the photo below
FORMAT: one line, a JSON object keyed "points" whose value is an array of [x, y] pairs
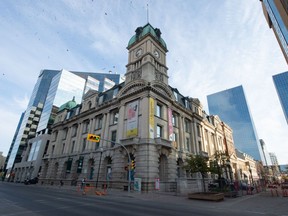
{"points": [[93, 138]]}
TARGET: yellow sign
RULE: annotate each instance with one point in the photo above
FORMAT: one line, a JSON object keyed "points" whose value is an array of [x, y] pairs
{"points": [[93, 138]]}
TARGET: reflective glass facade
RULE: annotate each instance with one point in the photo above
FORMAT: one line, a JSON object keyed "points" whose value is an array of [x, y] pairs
{"points": [[231, 106], [281, 85], [277, 13], [38, 97], [52, 89], [63, 88], [101, 77]]}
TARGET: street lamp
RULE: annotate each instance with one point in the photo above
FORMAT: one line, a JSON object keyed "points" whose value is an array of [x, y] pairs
{"points": [[101, 152]]}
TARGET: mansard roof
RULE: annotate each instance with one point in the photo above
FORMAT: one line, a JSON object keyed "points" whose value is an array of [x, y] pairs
{"points": [[142, 32]]}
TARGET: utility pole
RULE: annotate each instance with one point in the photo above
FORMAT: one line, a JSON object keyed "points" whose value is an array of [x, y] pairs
{"points": [[95, 138]]}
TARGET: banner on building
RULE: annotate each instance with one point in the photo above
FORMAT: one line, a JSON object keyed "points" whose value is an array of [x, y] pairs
{"points": [[151, 118], [132, 119], [170, 125]]}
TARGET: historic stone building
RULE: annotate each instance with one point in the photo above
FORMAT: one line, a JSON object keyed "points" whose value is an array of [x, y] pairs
{"points": [[157, 126]]}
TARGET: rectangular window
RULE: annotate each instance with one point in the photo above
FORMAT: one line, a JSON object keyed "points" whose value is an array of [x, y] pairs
{"points": [[74, 130], [187, 126], [159, 131], [53, 148], [115, 116], [200, 146], [187, 143], [63, 147], [85, 126], [99, 120], [84, 144], [186, 104], [73, 145], [198, 131], [174, 120], [55, 135], [206, 135], [65, 131], [113, 138], [158, 110]]}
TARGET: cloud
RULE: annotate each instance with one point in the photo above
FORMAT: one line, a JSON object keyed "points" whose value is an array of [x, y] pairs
{"points": [[212, 47]]}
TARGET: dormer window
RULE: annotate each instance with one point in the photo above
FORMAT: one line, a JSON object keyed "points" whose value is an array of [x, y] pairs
{"points": [[158, 32], [139, 31]]}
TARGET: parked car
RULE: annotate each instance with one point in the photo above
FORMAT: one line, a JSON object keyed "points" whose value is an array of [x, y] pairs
{"points": [[220, 183], [31, 181]]}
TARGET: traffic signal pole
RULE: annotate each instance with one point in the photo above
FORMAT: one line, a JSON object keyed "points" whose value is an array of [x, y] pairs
{"points": [[129, 161]]}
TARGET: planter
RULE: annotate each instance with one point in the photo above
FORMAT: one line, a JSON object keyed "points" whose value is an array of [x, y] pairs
{"points": [[206, 196]]}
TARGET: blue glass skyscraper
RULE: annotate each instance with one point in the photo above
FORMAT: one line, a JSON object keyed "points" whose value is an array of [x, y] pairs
{"points": [[52, 89], [281, 85], [276, 14], [231, 106]]}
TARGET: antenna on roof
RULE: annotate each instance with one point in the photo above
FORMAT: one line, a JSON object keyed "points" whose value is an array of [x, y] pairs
{"points": [[147, 13]]}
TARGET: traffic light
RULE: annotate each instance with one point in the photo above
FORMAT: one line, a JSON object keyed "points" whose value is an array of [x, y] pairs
{"points": [[93, 138], [133, 166]]}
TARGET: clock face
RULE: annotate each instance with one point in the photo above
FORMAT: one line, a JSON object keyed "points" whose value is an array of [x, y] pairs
{"points": [[138, 53], [156, 54]]}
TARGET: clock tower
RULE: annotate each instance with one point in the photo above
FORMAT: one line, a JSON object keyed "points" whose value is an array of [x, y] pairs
{"points": [[147, 56]]}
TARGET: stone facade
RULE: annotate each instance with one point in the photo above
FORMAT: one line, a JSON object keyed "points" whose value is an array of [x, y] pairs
{"points": [[143, 117]]}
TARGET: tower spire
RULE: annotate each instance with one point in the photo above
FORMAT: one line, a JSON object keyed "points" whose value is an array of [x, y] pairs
{"points": [[147, 13]]}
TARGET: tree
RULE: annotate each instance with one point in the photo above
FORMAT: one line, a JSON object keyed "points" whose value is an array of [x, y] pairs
{"points": [[217, 164], [198, 163]]}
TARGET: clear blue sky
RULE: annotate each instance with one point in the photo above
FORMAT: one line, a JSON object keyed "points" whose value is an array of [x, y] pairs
{"points": [[213, 45]]}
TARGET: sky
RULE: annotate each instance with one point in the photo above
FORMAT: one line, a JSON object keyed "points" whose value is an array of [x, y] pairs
{"points": [[213, 46]]}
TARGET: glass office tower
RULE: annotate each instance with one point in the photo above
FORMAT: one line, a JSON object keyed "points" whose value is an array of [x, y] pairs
{"points": [[231, 106], [276, 14], [281, 85], [52, 89]]}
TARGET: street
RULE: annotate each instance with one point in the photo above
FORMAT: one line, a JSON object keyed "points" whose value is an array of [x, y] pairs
{"points": [[36, 200]]}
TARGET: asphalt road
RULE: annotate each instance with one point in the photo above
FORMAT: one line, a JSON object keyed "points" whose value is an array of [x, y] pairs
{"points": [[32, 200]]}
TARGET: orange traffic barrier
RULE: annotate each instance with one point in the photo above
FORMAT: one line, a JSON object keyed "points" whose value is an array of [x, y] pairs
{"points": [[100, 193]]}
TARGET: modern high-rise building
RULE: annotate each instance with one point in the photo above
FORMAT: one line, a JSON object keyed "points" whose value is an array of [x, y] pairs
{"points": [[52, 89], [273, 158], [231, 106], [281, 85], [276, 14]]}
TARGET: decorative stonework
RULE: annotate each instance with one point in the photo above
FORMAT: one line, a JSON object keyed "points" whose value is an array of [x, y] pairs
{"points": [[136, 75], [158, 76]]}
